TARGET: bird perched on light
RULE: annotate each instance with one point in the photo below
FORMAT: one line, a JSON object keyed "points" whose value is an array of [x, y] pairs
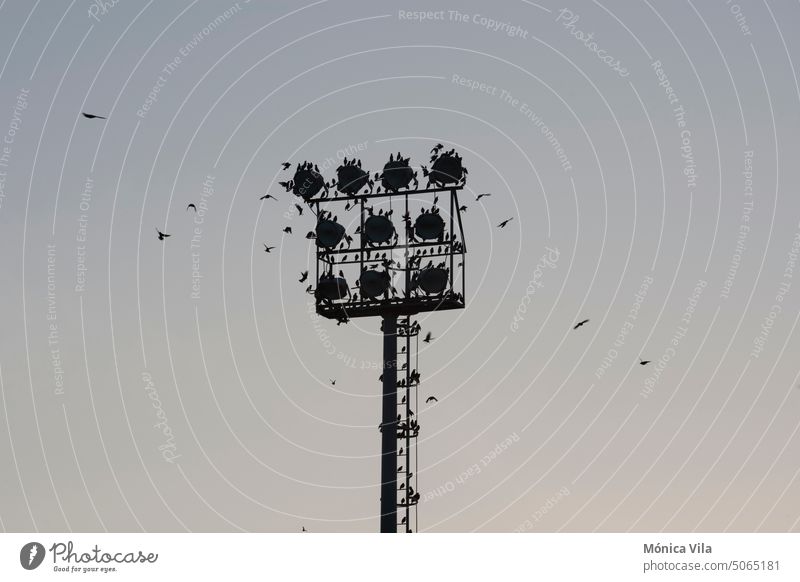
{"points": [[161, 235], [580, 323]]}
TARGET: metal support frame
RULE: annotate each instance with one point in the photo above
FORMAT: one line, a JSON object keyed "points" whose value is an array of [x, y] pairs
{"points": [[398, 419]]}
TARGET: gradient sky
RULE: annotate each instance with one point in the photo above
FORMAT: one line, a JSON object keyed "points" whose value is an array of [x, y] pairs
{"points": [[669, 217]]}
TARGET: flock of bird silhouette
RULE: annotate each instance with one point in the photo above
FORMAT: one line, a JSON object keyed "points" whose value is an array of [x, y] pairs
{"points": [[304, 274]]}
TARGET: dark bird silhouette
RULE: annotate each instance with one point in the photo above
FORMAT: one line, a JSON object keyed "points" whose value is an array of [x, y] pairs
{"points": [[428, 338], [643, 362], [192, 206], [286, 166], [304, 529], [288, 230], [482, 196], [265, 196], [580, 323], [299, 209], [161, 235], [463, 208], [430, 399], [308, 289], [505, 222], [333, 382], [303, 276], [90, 116], [267, 249]]}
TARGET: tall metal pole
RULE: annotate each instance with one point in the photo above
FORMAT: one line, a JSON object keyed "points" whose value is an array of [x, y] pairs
{"points": [[389, 427]]}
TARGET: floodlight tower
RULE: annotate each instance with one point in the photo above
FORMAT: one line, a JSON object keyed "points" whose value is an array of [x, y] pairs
{"points": [[419, 258]]}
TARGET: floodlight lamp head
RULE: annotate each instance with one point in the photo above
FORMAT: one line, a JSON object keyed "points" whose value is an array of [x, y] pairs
{"points": [[396, 174], [350, 178], [332, 288], [433, 280], [329, 233], [429, 226], [373, 283], [307, 182], [378, 229], [447, 169]]}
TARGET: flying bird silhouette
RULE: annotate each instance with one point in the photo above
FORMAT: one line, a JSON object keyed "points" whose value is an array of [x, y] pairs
{"points": [[303, 276], [333, 382], [90, 116], [580, 323], [286, 165], [161, 235], [643, 362], [288, 230], [299, 209], [482, 196], [192, 206], [428, 338], [505, 222], [430, 399], [267, 249], [265, 196]]}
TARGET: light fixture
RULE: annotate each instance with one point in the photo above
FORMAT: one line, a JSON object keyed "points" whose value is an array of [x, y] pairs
{"points": [[373, 283], [447, 169], [433, 280], [307, 181], [429, 226], [332, 288], [396, 174], [384, 264], [329, 233], [350, 178], [378, 229]]}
